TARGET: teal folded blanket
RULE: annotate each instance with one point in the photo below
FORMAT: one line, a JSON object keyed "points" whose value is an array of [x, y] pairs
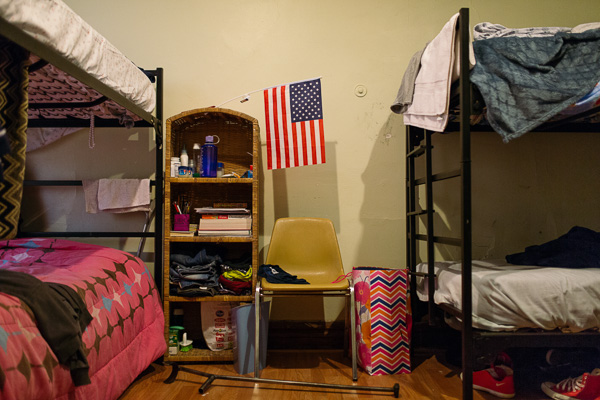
{"points": [[526, 81]]}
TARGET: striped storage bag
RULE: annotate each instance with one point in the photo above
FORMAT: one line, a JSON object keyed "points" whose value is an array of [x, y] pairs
{"points": [[383, 320]]}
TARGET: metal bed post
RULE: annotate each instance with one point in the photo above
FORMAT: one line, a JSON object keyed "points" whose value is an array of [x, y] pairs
{"points": [[411, 208], [465, 139], [159, 188], [429, 227]]}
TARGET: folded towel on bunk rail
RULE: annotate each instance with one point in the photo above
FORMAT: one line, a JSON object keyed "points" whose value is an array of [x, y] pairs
{"points": [[439, 68], [117, 195]]}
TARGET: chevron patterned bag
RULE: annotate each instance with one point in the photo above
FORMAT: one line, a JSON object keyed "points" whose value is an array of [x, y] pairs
{"points": [[383, 320]]}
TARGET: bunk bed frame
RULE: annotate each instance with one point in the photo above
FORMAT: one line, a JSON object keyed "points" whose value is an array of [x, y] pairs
{"points": [[478, 346], [114, 294], [49, 55]]}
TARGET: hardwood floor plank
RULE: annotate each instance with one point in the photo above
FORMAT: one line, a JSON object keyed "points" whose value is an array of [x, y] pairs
{"points": [[429, 380]]}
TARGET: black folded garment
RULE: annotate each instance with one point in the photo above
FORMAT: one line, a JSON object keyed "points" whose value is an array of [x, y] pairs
{"points": [[274, 274], [578, 248]]}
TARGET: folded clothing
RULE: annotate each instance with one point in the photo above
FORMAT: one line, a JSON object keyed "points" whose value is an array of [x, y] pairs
{"points": [[238, 275], [275, 274], [578, 248], [238, 287]]}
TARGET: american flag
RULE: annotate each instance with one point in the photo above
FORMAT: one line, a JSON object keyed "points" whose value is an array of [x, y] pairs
{"points": [[294, 120]]}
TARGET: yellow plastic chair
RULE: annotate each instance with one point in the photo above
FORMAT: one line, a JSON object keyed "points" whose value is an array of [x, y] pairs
{"points": [[307, 248]]}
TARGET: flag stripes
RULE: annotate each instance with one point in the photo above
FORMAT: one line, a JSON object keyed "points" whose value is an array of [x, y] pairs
{"points": [[294, 138]]}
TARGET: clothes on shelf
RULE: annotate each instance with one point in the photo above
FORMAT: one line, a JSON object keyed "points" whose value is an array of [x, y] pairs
{"points": [[209, 275]]}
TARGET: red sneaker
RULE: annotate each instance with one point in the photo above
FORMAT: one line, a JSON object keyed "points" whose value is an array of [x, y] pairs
{"points": [[497, 380], [584, 387]]}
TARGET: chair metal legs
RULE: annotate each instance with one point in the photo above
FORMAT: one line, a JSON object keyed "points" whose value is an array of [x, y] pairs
{"points": [[257, 319]]}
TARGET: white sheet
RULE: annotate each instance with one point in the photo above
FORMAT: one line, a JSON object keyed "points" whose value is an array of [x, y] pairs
{"points": [[508, 297], [53, 23]]}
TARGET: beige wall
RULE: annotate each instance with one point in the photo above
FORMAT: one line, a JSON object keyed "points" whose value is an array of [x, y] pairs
{"points": [[214, 50]]}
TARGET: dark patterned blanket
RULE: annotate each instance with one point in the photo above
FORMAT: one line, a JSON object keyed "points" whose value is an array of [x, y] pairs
{"points": [[14, 62], [526, 81]]}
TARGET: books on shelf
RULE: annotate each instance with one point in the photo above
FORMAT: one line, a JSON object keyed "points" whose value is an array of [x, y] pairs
{"points": [[222, 210], [225, 232], [231, 219], [225, 223], [224, 216], [182, 233]]}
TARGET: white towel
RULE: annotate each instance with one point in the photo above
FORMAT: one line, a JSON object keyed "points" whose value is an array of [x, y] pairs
{"points": [[439, 67], [117, 195], [90, 191]]}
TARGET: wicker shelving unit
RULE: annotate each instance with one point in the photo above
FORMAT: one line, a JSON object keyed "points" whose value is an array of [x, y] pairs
{"points": [[238, 149]]}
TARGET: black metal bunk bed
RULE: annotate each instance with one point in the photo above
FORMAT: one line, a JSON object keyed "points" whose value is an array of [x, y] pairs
{"points": [[478, 346], [49, 55]]}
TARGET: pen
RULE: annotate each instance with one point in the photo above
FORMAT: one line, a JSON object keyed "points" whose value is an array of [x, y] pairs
{"points": [[176, 207]]}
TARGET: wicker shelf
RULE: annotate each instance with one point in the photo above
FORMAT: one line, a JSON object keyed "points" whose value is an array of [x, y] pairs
{"points": [[238, 148], [181, 299], [201, 355]]}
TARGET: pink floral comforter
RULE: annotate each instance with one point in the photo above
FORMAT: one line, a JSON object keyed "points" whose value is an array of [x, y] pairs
{"points": [[124, 338]]}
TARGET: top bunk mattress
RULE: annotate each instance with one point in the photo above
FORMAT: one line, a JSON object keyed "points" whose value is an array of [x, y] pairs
{"points": [[51, 30]]}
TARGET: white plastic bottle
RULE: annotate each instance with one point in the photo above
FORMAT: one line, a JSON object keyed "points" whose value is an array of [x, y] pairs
{"points": [[175, 163], [197, 155], [184, 157]]}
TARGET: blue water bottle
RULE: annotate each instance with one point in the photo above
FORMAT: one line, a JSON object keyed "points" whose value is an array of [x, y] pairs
{"points": [[209, 157]]}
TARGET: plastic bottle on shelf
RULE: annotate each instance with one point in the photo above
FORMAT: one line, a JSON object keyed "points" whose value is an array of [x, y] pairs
{"points": [[197, 156], [175, 163], [220, 169], [249, 173], [209, 157], [184, 157]]}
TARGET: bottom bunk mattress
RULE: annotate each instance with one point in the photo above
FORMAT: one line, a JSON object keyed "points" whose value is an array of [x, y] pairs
{"points": [[125, 335], [508, 297]]}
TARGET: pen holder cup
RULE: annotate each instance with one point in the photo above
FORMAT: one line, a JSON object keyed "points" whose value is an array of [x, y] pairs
{"points": [[181, 222]]}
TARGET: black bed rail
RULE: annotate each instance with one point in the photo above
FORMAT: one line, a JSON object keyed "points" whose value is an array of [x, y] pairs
{"points": [[103, 234], [59, 182], [91, 234], [415, 148]]}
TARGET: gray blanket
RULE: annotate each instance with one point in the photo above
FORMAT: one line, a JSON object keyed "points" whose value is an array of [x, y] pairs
{"points": [[526, 81]]}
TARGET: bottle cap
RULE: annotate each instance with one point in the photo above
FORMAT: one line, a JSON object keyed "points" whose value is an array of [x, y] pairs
{"points": [[196, 146], [209, 139], [220, 165]]}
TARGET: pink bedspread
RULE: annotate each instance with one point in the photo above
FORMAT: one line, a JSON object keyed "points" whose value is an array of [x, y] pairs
{"points": [[125, 337]]}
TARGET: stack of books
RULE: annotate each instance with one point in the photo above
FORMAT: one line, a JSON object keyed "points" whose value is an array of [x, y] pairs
{"points": [[224, 221]]}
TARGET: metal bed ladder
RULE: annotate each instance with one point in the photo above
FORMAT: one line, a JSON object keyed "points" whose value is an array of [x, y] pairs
{"points": [[418, 143]]}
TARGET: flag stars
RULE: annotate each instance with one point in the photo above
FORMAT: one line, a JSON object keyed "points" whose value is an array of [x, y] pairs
{"points": [[305, 101]]}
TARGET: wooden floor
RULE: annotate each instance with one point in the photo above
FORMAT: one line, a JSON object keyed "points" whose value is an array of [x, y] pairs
{"points": [[431, 378]]}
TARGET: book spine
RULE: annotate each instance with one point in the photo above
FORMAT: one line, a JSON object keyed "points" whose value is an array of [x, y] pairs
{"points": [[224, 216]]}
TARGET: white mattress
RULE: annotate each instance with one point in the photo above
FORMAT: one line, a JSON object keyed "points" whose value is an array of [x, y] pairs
{"points": [[53, 23], [508, 297]]}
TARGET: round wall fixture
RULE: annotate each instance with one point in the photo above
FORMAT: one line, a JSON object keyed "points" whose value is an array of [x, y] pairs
{"points": [[360, 90]]}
